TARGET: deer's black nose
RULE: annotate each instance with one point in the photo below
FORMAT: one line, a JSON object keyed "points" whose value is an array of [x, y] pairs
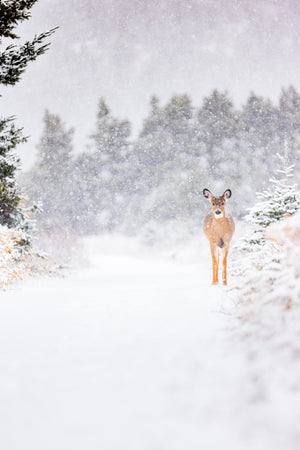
{"points": [[218, 212]]}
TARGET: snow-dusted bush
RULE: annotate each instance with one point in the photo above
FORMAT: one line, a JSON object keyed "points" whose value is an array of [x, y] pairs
{"points": [[265, 320], [13, 265], [16, 262], [270, 273], [280, 200], [266, 264]]}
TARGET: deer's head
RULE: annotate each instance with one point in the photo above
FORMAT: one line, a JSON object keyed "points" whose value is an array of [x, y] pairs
{"points": [[217, 203]]}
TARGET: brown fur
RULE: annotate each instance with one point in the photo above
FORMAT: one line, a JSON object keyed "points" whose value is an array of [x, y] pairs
{"points": [[219, 232]]}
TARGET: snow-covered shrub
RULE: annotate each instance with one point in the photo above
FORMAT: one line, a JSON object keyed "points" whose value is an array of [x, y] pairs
{"points": [[265, 265], [16, 262], [280, 200], [270, 273], [265, 311], [13, 264]]}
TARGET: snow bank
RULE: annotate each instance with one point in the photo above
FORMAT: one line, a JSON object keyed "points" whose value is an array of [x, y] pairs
{"points": [[270, 272], [265, 301], [286, 232], [287, 235]]}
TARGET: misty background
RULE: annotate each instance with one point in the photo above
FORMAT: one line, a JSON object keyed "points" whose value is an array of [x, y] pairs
{"points": [[127, 51], [138, 106]]}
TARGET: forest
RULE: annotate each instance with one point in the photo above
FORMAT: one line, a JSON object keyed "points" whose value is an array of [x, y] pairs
{"points": [[127, 183]]}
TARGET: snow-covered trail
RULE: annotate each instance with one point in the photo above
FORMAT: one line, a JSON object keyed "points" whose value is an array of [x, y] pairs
{"points": [[128, 354]]}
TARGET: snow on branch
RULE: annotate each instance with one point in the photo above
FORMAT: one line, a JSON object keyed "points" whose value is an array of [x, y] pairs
{"points": [[12, 12], [14, 59]]}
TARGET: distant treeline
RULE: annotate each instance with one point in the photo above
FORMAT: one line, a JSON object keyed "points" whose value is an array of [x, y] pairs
{"points": [[126, 184]]}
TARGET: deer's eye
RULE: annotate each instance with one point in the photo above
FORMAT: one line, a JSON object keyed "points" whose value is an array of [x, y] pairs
{"points": [[222, 203], [213, 203]]}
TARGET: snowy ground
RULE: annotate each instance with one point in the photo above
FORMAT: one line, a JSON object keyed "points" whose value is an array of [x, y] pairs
{"points": [[136, 353]]}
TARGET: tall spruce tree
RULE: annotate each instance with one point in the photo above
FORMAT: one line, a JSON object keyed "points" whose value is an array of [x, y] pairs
{"points": [[289, 125], [258, 134], [109, 168], [216, 124], [165, 137], [169, 161], [10, 195], [13, 62], [51, 179]]}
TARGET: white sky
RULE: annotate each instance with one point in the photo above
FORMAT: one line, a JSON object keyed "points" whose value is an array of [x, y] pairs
{"points": [[127, 51]]}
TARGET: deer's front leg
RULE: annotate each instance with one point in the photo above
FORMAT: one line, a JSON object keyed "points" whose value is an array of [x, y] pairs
{"points": [[224, 272], [215, 263]]}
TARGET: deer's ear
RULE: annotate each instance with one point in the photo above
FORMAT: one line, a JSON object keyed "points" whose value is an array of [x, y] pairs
{"points": [[227, 194], [207, 193]]}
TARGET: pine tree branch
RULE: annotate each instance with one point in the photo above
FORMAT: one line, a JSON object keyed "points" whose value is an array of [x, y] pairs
{"points": [[12, 12], [10, 136], [14, 59]]}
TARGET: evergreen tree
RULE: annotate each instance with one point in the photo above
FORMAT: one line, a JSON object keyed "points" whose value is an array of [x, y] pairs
{"points": [[15, 58], [216, 124], [256, 144], [170, 162], [154, 120], [280, 200], [109, 168], [178, 112], [50, 181], [289, 124], [86, 187], [10, 194], [289, 105], [165, 137], [258, 137], [151, 149], [13, 62], [217, 130]]}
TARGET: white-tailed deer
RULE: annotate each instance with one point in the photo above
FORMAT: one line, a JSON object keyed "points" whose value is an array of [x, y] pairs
{"points": [[218, 228]]}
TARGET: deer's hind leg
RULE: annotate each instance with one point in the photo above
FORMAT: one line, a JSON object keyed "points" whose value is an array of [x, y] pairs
{"points": [[215, 262]]}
